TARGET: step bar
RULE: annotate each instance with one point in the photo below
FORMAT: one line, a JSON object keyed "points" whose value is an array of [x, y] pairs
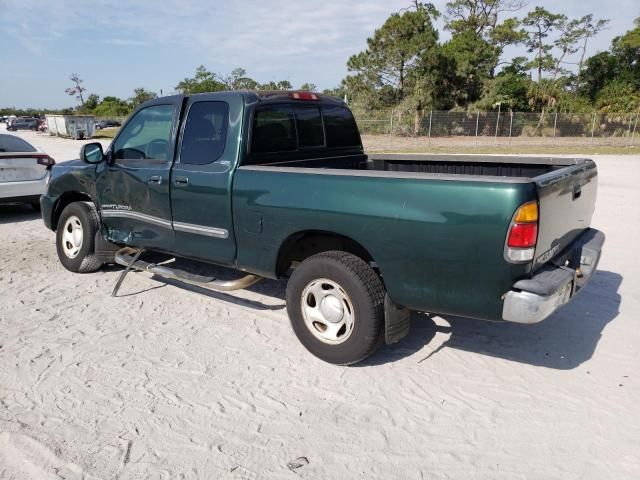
{"points": [[129, 257]]}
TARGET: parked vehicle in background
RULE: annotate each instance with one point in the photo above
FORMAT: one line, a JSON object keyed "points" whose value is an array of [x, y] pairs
{"points": [[24, 171], [277, 185], [107, 124], [43, 126], [23, 123]]}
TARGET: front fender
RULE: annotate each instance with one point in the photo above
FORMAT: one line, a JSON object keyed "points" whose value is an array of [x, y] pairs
{"points": [[69, 182]]}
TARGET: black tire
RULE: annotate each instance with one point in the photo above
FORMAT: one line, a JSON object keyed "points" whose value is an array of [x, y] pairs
{"points": [[85, 260], [366, 293]]}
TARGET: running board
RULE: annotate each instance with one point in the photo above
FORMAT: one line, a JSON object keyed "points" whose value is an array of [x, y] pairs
{"points": [[128, 257]]}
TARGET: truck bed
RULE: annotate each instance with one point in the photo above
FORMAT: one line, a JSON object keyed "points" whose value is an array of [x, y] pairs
{"points": [[440, 207], [458, 165]]}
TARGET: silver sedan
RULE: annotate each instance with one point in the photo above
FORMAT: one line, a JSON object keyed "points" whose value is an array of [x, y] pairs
{"points": [[24, 171]]}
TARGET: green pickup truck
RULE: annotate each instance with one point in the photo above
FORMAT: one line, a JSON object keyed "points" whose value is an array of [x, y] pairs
{"points": [[277, 185]]}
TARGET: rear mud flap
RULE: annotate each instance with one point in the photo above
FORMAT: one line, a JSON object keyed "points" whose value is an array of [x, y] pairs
{"points": [[397, 321]]}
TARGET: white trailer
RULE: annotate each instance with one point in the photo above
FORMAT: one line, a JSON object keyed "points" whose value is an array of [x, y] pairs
{"points": [[74, 126]]}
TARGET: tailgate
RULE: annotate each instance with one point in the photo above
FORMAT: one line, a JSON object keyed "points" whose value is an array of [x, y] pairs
{"points": [[567, 199]]}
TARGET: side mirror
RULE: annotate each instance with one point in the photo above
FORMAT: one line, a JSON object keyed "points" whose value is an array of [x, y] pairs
{"points": [[92, 153]]}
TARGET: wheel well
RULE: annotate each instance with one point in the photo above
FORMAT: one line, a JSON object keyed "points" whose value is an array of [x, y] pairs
{"points": [[64, 200], [302, 245]]}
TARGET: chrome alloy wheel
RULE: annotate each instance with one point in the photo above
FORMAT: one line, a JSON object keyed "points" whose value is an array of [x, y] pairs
{"points": [[327, 311], [72, 237]]}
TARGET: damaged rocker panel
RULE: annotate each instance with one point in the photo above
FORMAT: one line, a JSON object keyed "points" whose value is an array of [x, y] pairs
{"points": [[178, 226]]}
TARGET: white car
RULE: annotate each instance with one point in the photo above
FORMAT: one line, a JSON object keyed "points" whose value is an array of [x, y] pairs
{"points": [[24, 171]]}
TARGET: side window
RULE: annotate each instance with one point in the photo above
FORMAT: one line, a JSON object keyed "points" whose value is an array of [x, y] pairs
{"points": [[341, 127], [273, 130], [147, 135], [309, 123], [205, 133]]}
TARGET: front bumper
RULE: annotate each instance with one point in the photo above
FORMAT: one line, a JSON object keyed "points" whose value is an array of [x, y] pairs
{"points": [[46, 208], [534, 299]]}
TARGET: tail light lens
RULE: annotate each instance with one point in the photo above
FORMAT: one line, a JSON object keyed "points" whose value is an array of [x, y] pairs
{"points": [[45, 160], [523, 234]]}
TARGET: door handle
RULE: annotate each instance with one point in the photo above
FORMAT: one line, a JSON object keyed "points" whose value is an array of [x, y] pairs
{"points": [[155, 179], [182, 181]]}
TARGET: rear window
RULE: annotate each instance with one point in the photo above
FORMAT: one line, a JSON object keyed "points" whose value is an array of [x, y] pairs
{"points": [[309, 123], [10, 143], [291, 128], [273, 130], [340, 127]]}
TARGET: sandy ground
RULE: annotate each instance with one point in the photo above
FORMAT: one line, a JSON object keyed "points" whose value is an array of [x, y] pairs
{"points": [[169, 383]]}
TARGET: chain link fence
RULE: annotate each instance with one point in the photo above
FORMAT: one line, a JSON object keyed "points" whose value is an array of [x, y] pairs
{"points": [[394, 129]]}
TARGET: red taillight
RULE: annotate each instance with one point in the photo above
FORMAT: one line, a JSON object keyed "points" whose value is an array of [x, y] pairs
{"points": [[45, 160], [303, 96], [523, 235]]}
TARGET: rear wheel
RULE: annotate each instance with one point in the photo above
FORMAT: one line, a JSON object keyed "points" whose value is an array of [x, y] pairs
{"points": [[335, 303], [75, 237]]}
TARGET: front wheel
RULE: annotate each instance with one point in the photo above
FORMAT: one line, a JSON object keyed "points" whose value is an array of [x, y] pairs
{"points": [[75, 237], [335, 303]]}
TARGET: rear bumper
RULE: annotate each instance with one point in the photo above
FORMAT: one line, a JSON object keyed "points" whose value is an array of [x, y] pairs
{"points": [[534, 299], [27, 188]]}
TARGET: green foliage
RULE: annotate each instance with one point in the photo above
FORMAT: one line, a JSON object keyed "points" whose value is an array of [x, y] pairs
{"points": [[571, 102], [510, 88], [474, 60], [141, 95], [25, 112], [272, 86], [618, 96], [238, 80], [203, 81], [90, 104], [112, 107], [206, 81], [540, 23], [392, 52], [612, 79]]}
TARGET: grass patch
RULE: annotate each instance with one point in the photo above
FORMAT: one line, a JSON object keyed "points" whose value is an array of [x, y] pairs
{"points": [[106, 133]]}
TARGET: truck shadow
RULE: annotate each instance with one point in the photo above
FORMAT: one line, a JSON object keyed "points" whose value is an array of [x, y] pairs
{"points": [[563, 341], [17, 213]]}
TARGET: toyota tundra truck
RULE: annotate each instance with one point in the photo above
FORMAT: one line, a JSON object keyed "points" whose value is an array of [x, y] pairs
{"points": [[277, 185]]}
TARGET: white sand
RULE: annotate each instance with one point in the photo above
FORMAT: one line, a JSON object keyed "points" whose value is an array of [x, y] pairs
{"points": [[168, 383]]}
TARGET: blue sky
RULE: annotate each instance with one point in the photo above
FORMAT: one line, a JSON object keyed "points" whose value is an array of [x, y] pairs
{"points": [[117, 46]]}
